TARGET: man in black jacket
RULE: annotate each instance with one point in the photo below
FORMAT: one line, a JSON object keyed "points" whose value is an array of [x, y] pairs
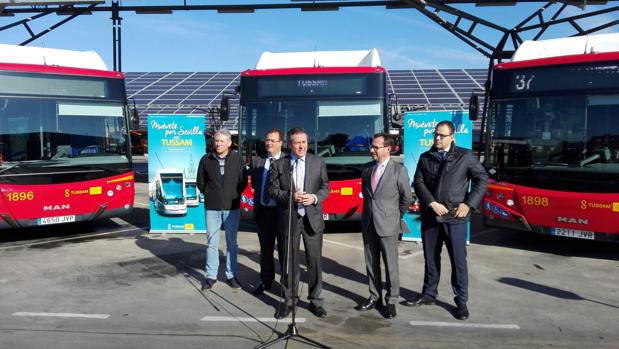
{"points": [[441, 183], [265, 210], [221, 178]]}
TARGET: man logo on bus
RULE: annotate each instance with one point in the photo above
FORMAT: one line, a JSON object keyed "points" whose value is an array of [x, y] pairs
{"points": [[572, 220], [56, 207]]}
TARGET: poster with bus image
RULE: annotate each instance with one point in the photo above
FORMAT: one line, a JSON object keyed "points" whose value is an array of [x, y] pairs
{"points": [[176, 143], [418, 138]]}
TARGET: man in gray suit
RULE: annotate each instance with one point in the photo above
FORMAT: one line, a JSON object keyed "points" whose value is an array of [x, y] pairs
{"points": [[386, 197], [305, 176]]}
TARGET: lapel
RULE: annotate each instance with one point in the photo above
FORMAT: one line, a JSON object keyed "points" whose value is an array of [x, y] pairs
{"points": [[367, 174], [307, 172]]}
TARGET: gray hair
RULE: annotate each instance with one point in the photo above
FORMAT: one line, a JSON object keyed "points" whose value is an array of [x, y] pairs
{"points": [[223, 132]]}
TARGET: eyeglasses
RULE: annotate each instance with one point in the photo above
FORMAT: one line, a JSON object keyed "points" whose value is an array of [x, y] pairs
{"points": [[375, 147], [271, 141], [436, 134]]}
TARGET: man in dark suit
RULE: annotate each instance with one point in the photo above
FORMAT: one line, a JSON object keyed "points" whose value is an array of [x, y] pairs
{"points": [[386, 197], [442, 180], [305, 176], [265, 211]]}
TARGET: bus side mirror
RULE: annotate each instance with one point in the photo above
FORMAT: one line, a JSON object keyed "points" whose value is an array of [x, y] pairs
{"points": [[473, 107], [224, 108], [134, 118], [397, 119]]}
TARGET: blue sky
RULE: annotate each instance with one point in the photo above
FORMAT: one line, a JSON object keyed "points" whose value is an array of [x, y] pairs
{"points": [[208, 41]]}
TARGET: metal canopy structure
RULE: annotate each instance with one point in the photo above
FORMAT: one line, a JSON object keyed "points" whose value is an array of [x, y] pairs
{"points": [[464, 25]]}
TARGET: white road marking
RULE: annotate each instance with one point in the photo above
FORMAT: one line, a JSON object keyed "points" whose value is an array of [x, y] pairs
{"points": [[465, 325], [73, 315], [345, 245], [361, 248], [73, 238], [141, 204], [249, 319]]}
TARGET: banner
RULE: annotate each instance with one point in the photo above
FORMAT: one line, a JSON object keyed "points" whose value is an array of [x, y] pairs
{"points": [[418, 138], [175, 146]]}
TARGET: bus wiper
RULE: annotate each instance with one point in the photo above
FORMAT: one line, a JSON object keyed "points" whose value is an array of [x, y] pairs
{"points": [[30, 162], [602, 155], [100, 168], [547, 163]]}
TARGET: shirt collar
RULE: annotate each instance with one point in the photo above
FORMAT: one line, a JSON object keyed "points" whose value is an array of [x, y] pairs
{"points": [[294, 158], [276, 157], [384, 163]]}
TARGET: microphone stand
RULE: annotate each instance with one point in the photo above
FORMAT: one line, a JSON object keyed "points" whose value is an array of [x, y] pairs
{"points": [[292, 332]]}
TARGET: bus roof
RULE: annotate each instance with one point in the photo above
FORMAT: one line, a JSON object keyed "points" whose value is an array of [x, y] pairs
{"points": [[316, 70], [577, 49], [313, 59], [55, 61], [50, 56]]}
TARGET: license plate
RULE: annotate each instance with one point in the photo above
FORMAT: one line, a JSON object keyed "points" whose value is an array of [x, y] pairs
{"points": [[571, 233], [325, 216], [56, 220]]}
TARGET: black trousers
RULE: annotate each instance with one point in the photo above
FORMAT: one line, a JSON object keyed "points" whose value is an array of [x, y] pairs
{"points": [[312, 241], [267, 221], [454, 236]]}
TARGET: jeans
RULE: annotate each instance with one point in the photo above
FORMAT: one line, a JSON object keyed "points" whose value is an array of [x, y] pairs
{"points": [[214, 219]]}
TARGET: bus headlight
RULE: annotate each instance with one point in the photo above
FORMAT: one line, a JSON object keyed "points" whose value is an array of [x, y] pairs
{"points": [[509, 202]]}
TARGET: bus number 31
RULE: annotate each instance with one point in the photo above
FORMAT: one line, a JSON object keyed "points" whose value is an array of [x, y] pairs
{"points": [[20, 196], [523, 82]]}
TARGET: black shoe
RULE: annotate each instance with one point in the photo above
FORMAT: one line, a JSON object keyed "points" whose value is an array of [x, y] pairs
{"points": [[261, 288], [368, 304], [318, 311], [390, 312], [207, 284], [234, 283], [421, 300], [462, 312], [282, 311]]}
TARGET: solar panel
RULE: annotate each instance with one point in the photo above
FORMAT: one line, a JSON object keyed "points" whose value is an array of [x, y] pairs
{"points": [[182, 92]]}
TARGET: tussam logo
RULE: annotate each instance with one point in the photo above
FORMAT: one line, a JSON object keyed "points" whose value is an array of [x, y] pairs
{"points": [[572, 220], [56, 207]]}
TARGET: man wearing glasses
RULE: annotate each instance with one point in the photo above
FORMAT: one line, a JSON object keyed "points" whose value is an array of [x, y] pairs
{"points": [[265, 210], [441, 183], [386, 197]]}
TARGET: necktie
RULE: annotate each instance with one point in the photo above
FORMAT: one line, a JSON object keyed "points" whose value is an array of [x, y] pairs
{"points": [[442, 154], [299, 180], [265, 178], [378, 169]]}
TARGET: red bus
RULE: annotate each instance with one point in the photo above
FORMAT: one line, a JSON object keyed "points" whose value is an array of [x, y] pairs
{"points": [[339, 97], [65, 153], [552, 139]]}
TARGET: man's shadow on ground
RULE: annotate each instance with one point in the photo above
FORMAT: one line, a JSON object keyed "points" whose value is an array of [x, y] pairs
{"points": [[189, 259]]}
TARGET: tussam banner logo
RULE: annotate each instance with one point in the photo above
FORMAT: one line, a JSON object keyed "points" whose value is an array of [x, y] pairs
{"points": [[176, 144]]}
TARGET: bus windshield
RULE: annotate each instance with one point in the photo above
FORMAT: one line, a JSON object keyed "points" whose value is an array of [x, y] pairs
{"points": [[337, 128], [568, 136], [61, 132]]}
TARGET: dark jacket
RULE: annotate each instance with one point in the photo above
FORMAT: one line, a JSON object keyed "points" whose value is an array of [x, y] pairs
{"points": [[447, 182], [316, 182], [257, 170], [216, 196]]}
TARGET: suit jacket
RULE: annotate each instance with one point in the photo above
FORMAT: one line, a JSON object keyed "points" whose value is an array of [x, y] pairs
{"points": [[387, 205], [257, 170], [316, 182]]}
